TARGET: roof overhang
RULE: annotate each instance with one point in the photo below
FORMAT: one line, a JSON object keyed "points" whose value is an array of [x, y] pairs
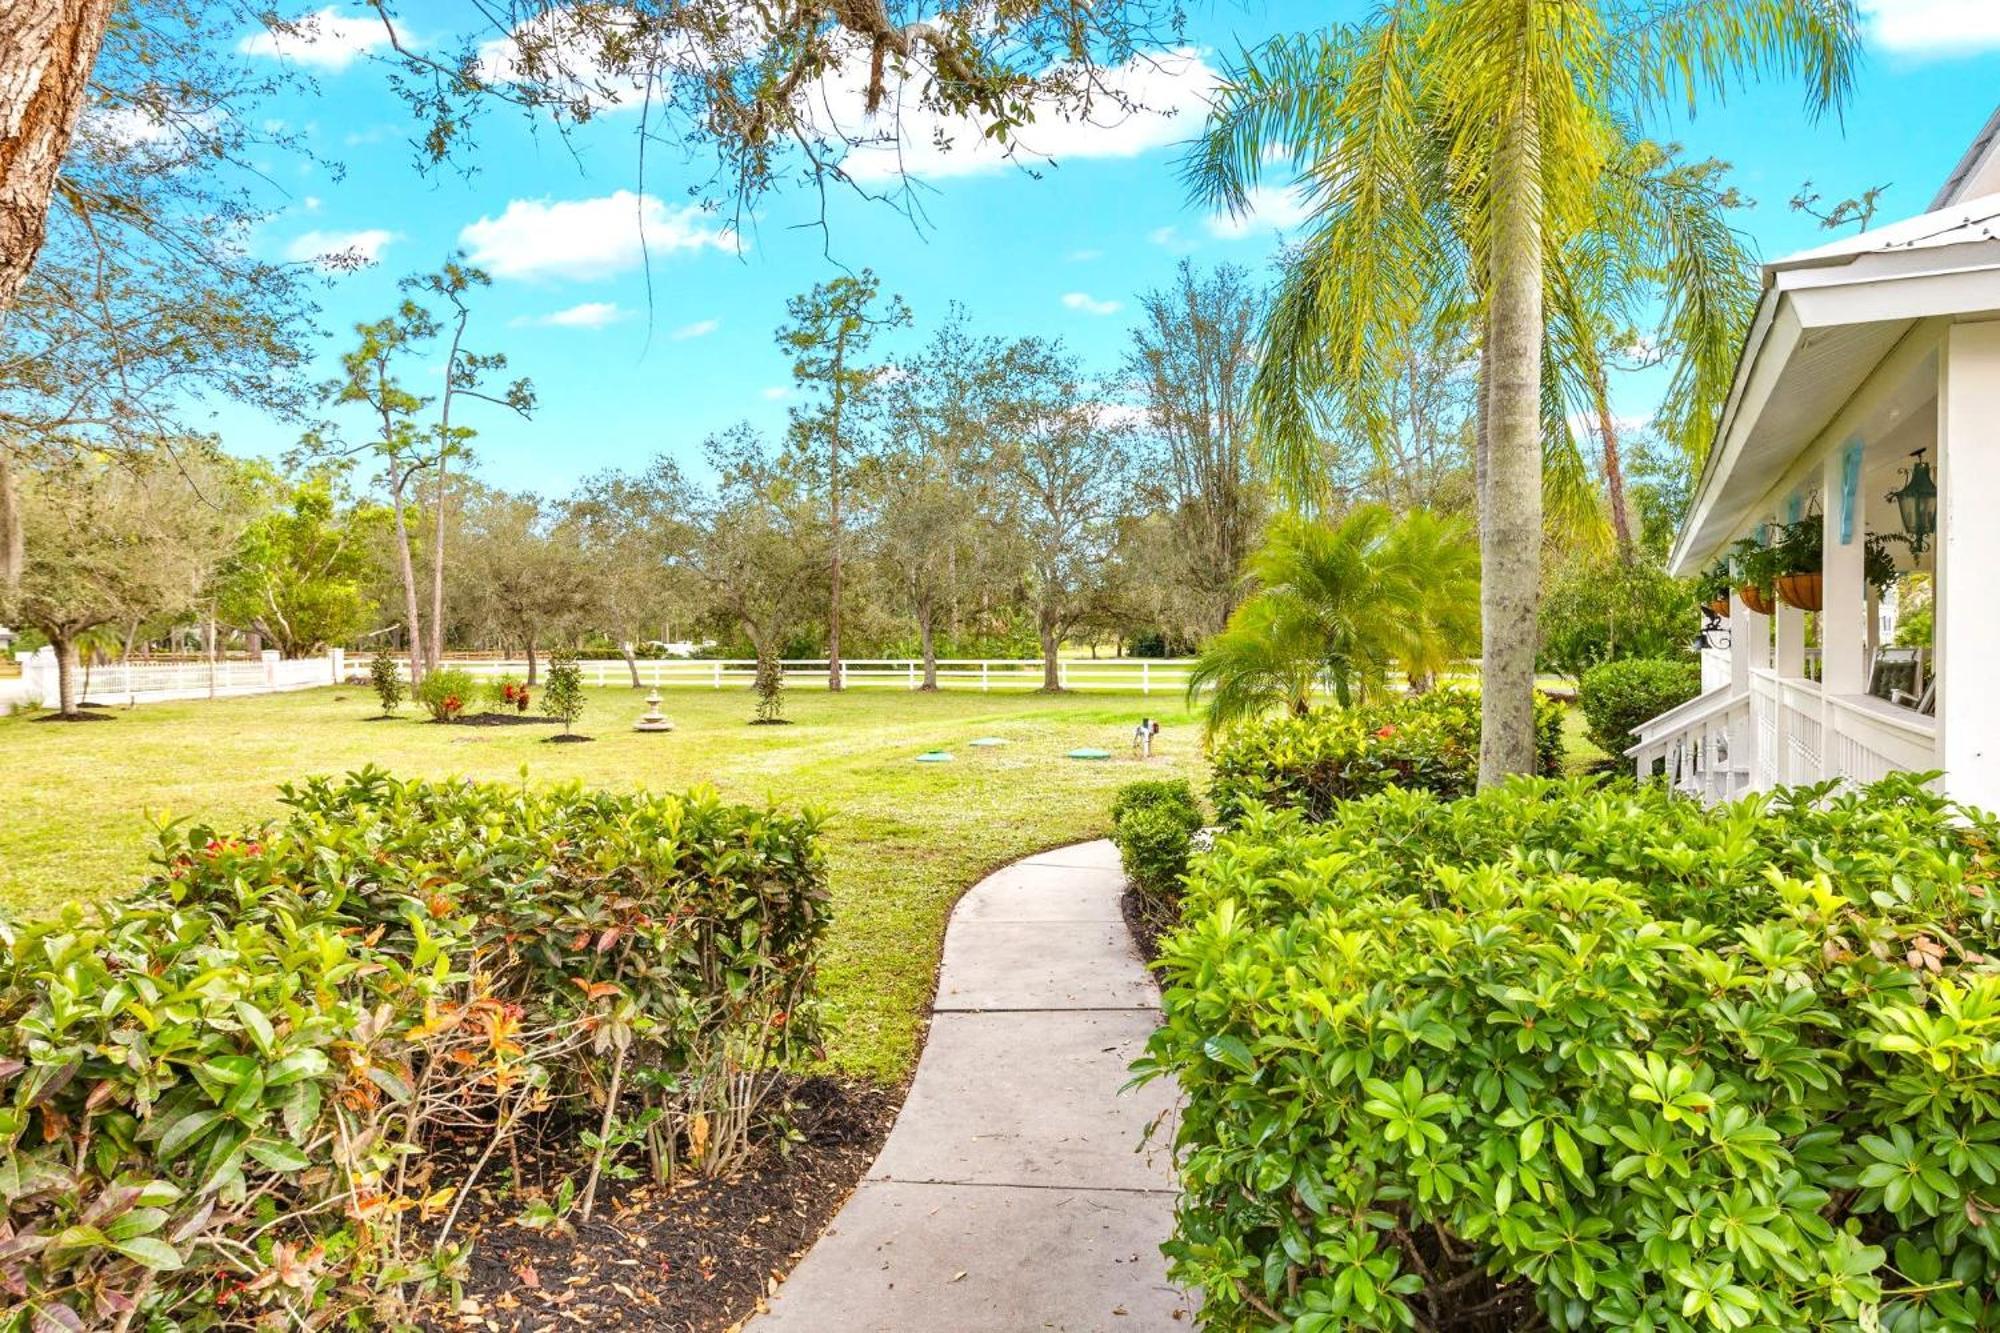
{"points": [[1828, 320]]}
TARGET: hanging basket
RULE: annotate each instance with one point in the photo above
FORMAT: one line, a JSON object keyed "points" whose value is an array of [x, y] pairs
{"points": [[1804, 591], [1754, 598], [1717, 607]]}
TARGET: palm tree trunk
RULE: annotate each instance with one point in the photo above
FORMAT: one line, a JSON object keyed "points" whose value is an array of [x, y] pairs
{"points": [[1614, 465], [13, 549], [1510, 534]]}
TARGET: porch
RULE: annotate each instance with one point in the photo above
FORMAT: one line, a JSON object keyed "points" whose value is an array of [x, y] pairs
{"points": [[1871, 361]]}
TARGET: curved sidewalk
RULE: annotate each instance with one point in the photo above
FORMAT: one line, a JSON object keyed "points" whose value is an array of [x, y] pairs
{"points": [[1013, 1193]]}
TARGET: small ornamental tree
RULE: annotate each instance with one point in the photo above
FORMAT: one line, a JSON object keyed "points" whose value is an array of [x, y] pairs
{"points": [[562, 695], [387, 682], [770, 688]]}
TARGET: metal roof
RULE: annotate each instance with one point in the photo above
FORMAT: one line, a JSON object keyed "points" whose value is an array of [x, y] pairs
{"points": [[1979, 154]]}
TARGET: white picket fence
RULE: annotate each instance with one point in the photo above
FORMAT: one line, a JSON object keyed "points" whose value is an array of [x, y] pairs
{"points": [[116, 683], [1144, 676]]}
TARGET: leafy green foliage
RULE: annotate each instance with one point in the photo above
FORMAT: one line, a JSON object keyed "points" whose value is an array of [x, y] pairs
{"points": [[446, 692], [1429, 742], [222, 1095], [1570, 1057], [562, 693], [1154, 823], [386, 679], [769, 687], [1608, 609], [300, 574], [1618, 696], [1341, 606]]}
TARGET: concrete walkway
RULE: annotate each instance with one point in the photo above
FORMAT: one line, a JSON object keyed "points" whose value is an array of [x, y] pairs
{"points": [[1012, 1195]]}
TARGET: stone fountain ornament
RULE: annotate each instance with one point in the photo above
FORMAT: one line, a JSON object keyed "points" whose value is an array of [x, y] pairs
{"points": [[654, 720]]}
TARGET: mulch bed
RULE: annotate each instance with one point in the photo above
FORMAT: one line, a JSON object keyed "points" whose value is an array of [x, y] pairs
{"points": [[78, 717], [1149, 923], [505, 720], [566, 739], [697, 1257]]}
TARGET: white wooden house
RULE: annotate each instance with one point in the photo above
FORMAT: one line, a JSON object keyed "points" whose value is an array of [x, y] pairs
{"points": [[1862, 353]]}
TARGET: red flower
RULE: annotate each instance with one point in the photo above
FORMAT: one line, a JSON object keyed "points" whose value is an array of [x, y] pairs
{"points": [[1385, 733]]}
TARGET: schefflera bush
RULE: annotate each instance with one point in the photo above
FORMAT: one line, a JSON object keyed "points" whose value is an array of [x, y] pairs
{"points": [[1427, 742], [1577, 1058], [222, 1096]]}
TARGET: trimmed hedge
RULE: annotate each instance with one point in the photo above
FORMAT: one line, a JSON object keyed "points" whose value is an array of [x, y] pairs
{"points": [[1154, 823], [221, 1095], [1619, 696], [1558, 1056], [1429, 742]]}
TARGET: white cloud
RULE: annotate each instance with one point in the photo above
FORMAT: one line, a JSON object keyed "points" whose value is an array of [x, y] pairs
{"points": [[1170, 239], [1168, 90], [1089, 304], [340, 249], [1083, 256], [778, 393], [701, 328], [1933, 27], [588, 315], [327, 39], [1267, 208], [588, 238], [310, 203]]}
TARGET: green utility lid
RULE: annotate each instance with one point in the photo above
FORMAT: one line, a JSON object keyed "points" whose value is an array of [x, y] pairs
{"points": [[1089, 754], [934, 757], [988, 742]]}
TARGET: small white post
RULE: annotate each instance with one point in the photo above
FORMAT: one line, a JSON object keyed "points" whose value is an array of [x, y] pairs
{"points": [[270, 656], [1145, 678], [1062, 674], [718, 673], [984, 685]]}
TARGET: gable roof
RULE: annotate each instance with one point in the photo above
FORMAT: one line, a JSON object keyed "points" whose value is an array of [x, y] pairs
{"points": [[1978, 169]]}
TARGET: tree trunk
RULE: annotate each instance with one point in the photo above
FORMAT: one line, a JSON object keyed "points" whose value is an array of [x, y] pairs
{"points": [[833, 680], [1051, 668], [1614, 466], [13, 546], [208, 646], [1510, 537], [412, 622], [929, 637], [531, 659], [65, 673], [631, 662], [46, 50], [436, 653]]}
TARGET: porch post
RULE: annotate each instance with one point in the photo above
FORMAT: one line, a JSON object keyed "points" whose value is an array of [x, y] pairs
{"points": [[1749, 645], [1843, 628], [1791, 642], [1968, 551]]}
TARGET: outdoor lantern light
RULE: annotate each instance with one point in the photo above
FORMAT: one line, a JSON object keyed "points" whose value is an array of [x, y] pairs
{"points": [[1917, 501]]}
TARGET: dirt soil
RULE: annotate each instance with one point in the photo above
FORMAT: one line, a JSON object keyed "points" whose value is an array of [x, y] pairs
{"points": [[1148, 921], [697, 1257]]}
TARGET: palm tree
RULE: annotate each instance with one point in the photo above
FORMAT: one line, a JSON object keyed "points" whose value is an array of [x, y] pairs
{"points": [[1454, 147], [1340, 607]]}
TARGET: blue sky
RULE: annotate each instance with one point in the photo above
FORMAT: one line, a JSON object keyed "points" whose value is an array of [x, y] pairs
{"points": [[623, 374]]}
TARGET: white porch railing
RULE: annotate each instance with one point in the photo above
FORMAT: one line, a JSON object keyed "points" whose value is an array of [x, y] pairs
{"points": [[1781, 732]]}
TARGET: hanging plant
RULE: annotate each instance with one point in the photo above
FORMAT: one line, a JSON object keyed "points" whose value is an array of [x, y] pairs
{"points": [[1800, 552], [1878, 563], [1756, 569], [1712, 588]]}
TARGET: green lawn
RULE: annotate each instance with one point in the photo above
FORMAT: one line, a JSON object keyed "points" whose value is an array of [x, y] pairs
{"points": [[905, 841]]}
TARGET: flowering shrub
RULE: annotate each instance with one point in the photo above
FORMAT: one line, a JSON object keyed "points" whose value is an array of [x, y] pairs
{"points": [[505, 692], [221, 1095], [1573, 1058], [1429, 742], [443, 692]]}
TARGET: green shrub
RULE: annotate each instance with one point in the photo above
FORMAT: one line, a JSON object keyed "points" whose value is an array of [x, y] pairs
{"points": [[446, 692], [385, 677], [221, 1096], [505, 693], [1564, 1057], [1618, 697], [1154, 823], [1429, 742], [1608, 608], [562, 692]]}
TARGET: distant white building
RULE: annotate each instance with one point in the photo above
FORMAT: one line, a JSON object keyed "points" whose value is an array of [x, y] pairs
{"points": [[7, 637], [1870, 375]]}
